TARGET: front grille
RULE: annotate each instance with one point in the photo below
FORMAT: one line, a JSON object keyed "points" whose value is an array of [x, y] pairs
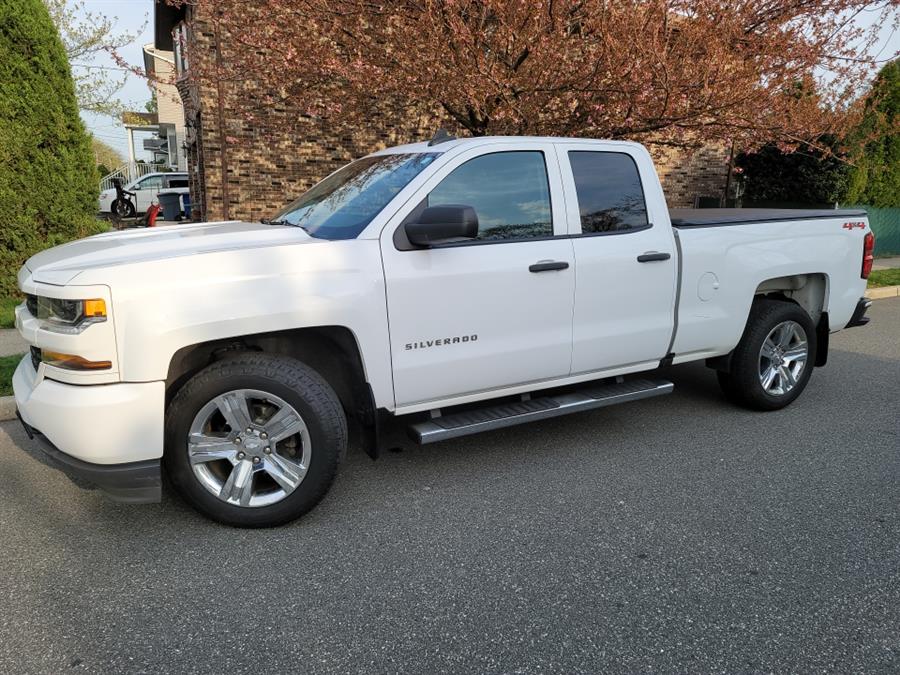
{"points": [[31, 304], [35, 357]]}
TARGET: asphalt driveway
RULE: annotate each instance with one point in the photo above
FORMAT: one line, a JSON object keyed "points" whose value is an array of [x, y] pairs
{"points": [[675, 534]]}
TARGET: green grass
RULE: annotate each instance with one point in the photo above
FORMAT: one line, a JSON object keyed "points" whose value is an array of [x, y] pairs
{"points": [[884, 278], [7, 312], [8, 366]]}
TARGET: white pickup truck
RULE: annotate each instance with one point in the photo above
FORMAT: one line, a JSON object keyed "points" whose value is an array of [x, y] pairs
{"points": [[465, 285]]}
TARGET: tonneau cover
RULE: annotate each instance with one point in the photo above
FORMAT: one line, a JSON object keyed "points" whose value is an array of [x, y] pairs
{"points": [[713, 217]]}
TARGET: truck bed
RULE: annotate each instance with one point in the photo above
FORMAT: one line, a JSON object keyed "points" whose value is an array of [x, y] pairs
{"points": [[682, 218]]}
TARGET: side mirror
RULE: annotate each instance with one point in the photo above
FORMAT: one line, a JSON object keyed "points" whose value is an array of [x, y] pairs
{"points": [[443, 224]]}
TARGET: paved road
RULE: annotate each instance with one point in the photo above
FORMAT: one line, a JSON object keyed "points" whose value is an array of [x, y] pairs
{"points": [[679, 534]]}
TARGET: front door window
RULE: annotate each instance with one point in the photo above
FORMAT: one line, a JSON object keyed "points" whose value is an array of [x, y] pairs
{"points": [[508, 190]]}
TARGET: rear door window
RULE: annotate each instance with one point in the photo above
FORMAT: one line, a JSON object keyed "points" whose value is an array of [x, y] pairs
{"points": [[610, 194]]}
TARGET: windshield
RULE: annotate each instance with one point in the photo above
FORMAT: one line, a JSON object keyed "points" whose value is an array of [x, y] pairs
{"points": [[343, 204]]}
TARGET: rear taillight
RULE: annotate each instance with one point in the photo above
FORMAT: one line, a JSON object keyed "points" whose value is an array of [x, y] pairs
{"points": [[868, 254]]}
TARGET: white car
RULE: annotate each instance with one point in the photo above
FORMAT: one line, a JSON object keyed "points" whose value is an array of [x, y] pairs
{"points": [[145, 191], [461, 285]]}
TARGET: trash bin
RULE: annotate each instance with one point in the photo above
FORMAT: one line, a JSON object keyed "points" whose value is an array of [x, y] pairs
{"points": [[170, 202], [186, 201]]}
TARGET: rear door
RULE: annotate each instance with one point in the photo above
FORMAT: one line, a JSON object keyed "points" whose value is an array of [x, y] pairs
{"points": [[472, 317], [626, 262]]}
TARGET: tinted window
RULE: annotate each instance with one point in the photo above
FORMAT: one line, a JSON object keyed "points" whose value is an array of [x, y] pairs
{"points": [[508, 190], [178, 182], [610, 195], [343, 204]]}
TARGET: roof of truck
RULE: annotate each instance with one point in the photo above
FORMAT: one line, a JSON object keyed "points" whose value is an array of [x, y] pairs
{"points": [[444, 146]]}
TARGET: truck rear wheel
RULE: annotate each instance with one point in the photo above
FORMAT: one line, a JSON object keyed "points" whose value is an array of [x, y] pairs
{"points": [[254, 440], [773, 362]]}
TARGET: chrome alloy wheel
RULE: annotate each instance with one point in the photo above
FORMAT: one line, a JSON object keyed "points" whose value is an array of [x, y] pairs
{"points": [[249, 448], [783, 357]]}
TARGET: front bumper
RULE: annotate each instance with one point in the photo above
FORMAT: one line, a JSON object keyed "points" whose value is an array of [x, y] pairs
{"points": [[859, 317], [106, 435], [136, 482]]}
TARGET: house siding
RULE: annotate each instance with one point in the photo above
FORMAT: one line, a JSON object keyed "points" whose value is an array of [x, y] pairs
{"points": [[168, 100]]}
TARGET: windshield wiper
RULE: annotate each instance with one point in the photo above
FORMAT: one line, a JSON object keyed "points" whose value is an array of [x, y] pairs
{"points": [[266, 221]]}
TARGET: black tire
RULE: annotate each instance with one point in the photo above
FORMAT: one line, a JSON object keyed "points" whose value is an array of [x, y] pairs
{"points": [[121, 208], [742, 385], [292, 381]]}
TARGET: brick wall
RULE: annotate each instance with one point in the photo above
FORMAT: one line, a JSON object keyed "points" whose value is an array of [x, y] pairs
{"points": [[250, 169], [267, 166], [686, 175]]}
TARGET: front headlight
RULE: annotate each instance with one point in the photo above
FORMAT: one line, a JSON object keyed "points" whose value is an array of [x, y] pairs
{"points": [[69, 316]]}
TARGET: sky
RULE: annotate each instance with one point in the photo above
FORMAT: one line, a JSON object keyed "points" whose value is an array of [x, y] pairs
{"points": [[136, 16], [132, 16]]}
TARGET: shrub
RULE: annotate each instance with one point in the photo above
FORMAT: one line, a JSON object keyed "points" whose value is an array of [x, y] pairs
{"points": [[875, 178], [805, 176], [48, 182]]}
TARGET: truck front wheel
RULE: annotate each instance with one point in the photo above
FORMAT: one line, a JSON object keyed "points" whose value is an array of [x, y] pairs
{"points": [[773, 362], [254, 440]]}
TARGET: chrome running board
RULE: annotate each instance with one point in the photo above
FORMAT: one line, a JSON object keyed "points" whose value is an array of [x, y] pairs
{"points": [[503, 415]]}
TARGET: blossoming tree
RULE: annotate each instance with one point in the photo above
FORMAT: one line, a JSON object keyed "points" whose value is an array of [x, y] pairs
{"points": [[675, 72]]}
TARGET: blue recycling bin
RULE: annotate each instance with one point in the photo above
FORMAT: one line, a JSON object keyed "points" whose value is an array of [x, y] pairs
{"points": [[186, 201]]}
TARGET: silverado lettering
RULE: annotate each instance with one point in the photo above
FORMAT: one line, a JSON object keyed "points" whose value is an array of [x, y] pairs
{"points": [[439, 341]]}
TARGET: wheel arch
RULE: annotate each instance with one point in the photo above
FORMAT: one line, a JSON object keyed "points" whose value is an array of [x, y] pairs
{"points": [[332, 351], [810, 291], [807, 290]]}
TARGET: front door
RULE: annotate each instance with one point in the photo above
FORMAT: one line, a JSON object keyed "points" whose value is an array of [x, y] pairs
{"points": [[481, 315]]}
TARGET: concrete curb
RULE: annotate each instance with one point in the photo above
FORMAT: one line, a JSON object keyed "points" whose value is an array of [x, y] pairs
{"points": [[883, 292], [7, 408]]}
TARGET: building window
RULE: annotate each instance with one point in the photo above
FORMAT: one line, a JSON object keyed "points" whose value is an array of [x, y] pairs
{"points": [[180, 35]]}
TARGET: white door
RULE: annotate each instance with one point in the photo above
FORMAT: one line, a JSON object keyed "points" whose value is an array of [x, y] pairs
{"points": [[470, 317], [626, 262], [146, 191]]}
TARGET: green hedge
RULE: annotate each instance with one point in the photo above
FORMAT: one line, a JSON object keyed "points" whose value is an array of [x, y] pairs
{"points": [[48, 182]]}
